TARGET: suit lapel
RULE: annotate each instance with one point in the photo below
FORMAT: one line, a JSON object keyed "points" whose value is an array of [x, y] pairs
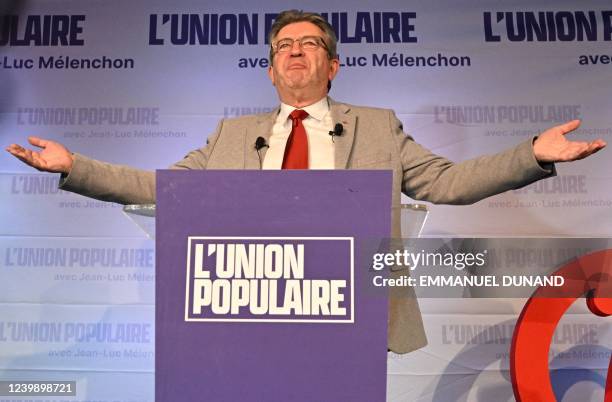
{"points": [[261, 128], [343, 144]]}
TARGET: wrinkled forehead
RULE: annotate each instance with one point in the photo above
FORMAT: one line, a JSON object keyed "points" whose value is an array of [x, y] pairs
{"points": [[298, 30]]}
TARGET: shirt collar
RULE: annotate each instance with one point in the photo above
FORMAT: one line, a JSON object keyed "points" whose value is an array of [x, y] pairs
{"points": [[317, 110]]}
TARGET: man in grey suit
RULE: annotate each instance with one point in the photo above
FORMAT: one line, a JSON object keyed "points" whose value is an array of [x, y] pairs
{"points": [[303, 64]]}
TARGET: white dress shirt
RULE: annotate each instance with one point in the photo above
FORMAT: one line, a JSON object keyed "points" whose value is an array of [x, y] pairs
{"points": [[318, 124]]}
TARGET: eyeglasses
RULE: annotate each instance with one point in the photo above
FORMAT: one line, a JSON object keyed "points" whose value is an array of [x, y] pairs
{"points": [[308, 43]]}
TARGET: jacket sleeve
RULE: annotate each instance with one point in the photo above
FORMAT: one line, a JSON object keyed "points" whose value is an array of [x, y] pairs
{"points": [[432, 178], [124, 184]]}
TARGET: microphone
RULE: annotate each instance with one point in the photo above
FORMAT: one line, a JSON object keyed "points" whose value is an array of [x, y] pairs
{"points": [[337, 131], [260, 143]]}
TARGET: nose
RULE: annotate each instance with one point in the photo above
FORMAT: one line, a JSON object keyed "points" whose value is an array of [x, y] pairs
{"points": [[296, 48]]}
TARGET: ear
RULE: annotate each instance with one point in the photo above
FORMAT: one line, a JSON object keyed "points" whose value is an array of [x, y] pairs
{"points": [[271, 75], [334, 66]]}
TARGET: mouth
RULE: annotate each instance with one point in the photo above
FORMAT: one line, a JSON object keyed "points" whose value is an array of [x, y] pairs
{"points": [[296, 66]]}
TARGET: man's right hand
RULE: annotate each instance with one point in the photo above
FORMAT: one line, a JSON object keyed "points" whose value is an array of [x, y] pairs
{"points": [[53, 157]]}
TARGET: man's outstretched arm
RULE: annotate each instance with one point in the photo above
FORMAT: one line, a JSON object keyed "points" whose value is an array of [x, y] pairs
{"points": [[101, 180], [88, 177], [436, 179]]}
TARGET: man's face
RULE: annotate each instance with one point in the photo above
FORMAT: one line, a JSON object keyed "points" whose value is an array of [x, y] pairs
{"points": [[302, 70]]}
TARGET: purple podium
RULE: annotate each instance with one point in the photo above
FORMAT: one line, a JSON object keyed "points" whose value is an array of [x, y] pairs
{"points": [[262, 286]]}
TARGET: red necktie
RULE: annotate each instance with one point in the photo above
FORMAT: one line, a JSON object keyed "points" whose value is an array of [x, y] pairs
{"points": [[296, 150]]}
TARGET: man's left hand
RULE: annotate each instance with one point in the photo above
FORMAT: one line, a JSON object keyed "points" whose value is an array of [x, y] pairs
{"points": [[552, 146]]}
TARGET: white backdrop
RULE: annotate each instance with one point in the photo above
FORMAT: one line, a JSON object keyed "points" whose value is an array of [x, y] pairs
{"points": [[158, 101]]}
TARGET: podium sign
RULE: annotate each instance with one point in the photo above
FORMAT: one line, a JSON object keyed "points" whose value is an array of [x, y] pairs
{"points": [[260, 286]]}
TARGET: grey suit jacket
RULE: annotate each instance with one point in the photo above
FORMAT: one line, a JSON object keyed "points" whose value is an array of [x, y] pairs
{"points": [[372, 139]]}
